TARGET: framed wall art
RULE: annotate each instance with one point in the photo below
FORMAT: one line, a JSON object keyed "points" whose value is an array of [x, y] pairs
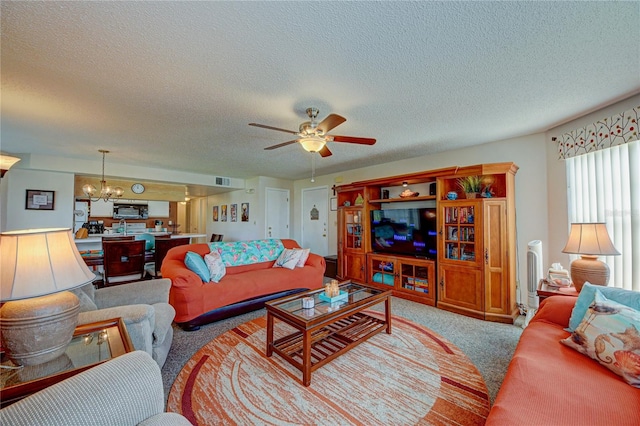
{"points": [[39, 200], [234, 212], [334, 204], [223, 213], [215, 213], [244, 214]]}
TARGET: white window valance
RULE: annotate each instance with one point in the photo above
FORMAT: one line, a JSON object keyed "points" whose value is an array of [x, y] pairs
{"points": [[611, 131]]}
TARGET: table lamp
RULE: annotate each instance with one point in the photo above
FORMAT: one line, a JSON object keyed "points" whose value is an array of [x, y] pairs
{"points": [[589, 240], [39, 317]]}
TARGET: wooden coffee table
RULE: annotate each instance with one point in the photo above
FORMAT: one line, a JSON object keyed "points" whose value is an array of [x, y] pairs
{"points": [[327, 330]]}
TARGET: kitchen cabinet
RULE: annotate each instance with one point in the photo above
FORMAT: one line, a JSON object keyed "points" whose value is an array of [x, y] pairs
{"points": [[101, 208], [158, 209]]}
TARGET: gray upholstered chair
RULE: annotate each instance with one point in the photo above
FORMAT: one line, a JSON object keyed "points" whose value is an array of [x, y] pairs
{"points": [[126, 390], [144, 307]]}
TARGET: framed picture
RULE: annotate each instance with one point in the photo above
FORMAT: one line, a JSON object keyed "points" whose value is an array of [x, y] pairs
{"points": [[234, 212], [215, 213], [244, 213], [39, 200], [334, 204], [223, 213]]}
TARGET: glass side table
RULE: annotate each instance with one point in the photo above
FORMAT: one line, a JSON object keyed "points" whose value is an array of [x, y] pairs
{"points": [[91, 345]]}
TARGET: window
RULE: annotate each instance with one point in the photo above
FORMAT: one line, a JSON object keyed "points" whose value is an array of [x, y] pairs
{"points": [[604, 186]]}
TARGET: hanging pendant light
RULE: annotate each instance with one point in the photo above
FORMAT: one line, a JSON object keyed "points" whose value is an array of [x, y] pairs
{"points": [[107, 193]]}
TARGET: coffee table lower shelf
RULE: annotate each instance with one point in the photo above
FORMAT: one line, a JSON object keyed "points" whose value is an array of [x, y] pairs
{"points": [[330, 341]]}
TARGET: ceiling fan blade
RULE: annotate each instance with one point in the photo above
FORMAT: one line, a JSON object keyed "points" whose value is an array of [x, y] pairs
{"points": [[280, 145], [353, 139], [264, 126], [332, 120], [324, 152]]}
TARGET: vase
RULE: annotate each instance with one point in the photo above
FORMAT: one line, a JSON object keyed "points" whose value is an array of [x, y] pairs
{"points": [[471, 194]]}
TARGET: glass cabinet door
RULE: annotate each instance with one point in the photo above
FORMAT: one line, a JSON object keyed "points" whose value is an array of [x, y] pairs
{"points": [[459, 233], [353, 229], [382, 270]]}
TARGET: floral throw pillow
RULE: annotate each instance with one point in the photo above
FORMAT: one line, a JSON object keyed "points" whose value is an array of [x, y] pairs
{"points": [[610, 334], [288, 259], [304, 255], [214, 262]]}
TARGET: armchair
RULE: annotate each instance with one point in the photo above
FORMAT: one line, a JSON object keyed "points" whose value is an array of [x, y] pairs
{"points": [[144, 307], [126, 390]]}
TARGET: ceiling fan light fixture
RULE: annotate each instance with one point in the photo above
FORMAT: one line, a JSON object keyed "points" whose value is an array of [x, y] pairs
{"points": [[312, 143]]}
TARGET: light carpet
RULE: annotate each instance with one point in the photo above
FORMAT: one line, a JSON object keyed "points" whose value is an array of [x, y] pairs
{"points": [[413, 376]]}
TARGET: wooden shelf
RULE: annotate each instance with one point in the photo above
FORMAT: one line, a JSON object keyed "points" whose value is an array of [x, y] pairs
{"points": [[395, 200]]}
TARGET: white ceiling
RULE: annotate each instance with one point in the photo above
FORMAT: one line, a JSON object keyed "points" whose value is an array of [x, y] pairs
{"points": [[174, 84]]}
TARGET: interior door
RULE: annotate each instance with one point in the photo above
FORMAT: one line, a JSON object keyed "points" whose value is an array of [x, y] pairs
{"points": [[277, 213], [315, 219]]}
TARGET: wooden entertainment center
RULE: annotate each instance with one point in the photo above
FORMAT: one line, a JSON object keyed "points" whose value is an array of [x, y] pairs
{"points": [[474, 271]]}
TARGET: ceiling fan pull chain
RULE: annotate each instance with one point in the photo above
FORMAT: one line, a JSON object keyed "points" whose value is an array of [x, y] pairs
{"points": [[313, 167]]}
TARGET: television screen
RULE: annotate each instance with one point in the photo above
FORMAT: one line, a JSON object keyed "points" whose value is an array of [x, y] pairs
{"points": [[405, 231]]}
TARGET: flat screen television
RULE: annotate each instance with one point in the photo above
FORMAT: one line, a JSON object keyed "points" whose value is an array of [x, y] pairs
{"points": [[411, 232]]}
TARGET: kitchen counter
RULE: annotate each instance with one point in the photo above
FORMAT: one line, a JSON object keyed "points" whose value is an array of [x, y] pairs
{"points": [[94, 241]]}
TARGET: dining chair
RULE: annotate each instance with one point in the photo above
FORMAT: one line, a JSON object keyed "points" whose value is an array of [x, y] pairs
{"points": [[123, 261], [119, 238], [163, 245], [216, 237]]}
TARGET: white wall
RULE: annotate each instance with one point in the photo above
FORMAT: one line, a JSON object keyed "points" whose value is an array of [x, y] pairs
{"points": [[528, 152], [15, 215], [254, 194]]}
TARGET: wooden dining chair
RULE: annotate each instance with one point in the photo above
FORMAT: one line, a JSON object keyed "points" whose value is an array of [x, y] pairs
{"points": [[123, 261], [119, 238], [216, 237], [163, 245]]}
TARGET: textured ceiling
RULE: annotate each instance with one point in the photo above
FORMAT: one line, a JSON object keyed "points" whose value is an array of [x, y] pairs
{"points": [[174, 84]]}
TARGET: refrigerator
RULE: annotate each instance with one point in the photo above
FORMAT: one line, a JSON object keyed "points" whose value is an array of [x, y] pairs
{"points": [[80, 215]]}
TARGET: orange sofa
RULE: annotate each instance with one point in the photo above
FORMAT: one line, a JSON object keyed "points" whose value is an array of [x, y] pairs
{"points": [[243, 289], [548, 383]]}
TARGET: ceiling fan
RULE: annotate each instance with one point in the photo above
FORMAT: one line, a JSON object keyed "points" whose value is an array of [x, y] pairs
{"points": [[313, 135]]}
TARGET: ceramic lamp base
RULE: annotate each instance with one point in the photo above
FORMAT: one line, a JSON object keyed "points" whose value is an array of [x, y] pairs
{"points": [[38, 330], [589, 268]]}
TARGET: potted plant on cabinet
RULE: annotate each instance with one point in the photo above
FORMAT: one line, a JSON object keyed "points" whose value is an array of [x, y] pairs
{"points": [[471, 185]]}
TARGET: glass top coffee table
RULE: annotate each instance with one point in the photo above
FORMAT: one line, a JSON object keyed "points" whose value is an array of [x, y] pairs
{"points": [[328, 329]]}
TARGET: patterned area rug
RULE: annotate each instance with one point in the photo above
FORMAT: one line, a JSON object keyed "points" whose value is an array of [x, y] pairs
{"points": [[410, 377]]}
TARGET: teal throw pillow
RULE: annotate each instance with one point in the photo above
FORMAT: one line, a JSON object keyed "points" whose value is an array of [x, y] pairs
{"points": [[588, 295], [196, 263]]}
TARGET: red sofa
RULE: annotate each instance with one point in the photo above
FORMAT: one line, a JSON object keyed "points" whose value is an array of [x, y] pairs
{"points": [[548, 383], [243, 288]]}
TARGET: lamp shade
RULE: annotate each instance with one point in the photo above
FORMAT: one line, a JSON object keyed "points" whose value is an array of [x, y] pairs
{"points": [[6, 161], [590, 239], [38, 262]]}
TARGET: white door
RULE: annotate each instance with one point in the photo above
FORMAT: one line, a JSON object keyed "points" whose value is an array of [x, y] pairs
{"points": [[315, 212], [277, 213], [198, 220]]}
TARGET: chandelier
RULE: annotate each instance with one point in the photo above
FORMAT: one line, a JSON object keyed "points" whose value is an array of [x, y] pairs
{"points": [[106, 192]]}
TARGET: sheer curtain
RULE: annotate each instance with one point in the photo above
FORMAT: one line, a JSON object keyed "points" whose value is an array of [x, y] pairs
{"points": [[604, 186]]}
